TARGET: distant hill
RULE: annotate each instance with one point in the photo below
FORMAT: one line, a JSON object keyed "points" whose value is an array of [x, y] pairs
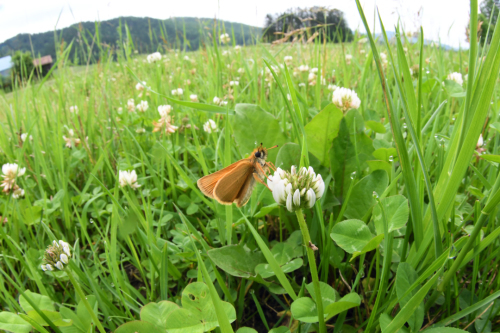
{"points": [[148, 35]]}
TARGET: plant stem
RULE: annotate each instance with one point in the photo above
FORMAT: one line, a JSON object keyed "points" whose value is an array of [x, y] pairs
{"points": [[312, 267], [80, 293]]}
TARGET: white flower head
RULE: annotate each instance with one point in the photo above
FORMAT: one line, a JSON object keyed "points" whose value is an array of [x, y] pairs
{"points": [[140, 86], [57, 255], [346, 99], [210, 126], [131, 105], [193, 98], [234, 83], [154, 57], [73, 109], [348, 59], [142, 106], [177, 92], [224, 38], [296, 189], [10, 173], [237, 48], [219, 101], [18, 193], [24, 136], [164, 110], [480, 141], [457, 77], [128, 178], [288, 60]]}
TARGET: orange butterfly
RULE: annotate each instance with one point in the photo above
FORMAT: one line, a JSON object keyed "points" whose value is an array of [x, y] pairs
{"points": [[235, 182]]}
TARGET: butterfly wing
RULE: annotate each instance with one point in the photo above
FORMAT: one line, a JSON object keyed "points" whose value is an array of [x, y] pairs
{"points": [[207, 184], [245, 192], [229, 187]]}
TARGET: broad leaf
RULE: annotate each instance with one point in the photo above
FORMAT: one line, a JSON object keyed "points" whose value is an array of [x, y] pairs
{"points": [[11, 322], [236, 260]]}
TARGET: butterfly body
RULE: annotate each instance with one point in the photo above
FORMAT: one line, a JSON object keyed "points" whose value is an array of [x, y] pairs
{"points": [[235, 182]]}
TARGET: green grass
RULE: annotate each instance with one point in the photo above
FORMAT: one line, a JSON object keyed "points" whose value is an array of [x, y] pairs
{"points": [[406, 232]]}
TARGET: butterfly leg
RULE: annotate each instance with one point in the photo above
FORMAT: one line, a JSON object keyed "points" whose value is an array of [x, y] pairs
{"points": [[257, 178], [271, 165], [259, 167]]}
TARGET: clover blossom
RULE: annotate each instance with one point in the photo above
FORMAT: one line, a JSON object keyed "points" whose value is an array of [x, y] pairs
{"points": [[142, 106], [10, 173], [165, 120], [296, 190], [457, 77], [57, 255], [154, 57], [128, 178], [345, 99], [224, 38], [210, 126]]}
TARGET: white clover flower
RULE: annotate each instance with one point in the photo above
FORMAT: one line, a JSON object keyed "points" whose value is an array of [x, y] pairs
{"points": [[346, 99], [193, 98], [164, 110], [154, 57], [241, 70], [363, 40], [480, 141], [226, 53], [224, 38], [362, 51], [303, 68], [457, 77], [348, 59], [131, 105], [140, 130], [302, 84], [219, 101], [142, 106], [73, 109], [237, 49], [383, 57], [19, 192], [10, 173], [210, 126], [57, 255], [64, 258], [24, 136], [234, 83], [177, 92], [313, 70], [332, 87], [186, 58], [288, 60], [296, 190], [128, 178], [140, 86]]}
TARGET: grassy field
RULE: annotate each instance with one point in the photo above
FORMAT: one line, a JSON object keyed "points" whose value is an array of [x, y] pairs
{"points": [[394, 226]]}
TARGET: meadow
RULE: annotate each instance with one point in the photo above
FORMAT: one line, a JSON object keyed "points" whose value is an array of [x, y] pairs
{"points": [[381, 217]]}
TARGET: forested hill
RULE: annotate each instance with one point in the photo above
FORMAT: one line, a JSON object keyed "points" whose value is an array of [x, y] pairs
{"points": [[148, 35]]}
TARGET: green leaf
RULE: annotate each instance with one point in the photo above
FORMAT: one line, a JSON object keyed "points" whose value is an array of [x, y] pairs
{"points": [[53, 316], [385, 154], [492, 158], [351, 235], [361, 200], [370, 246], [396, 211], [375, 126], [281, 329], [266, 210], [41, 301], [139, 327], [11, 322], [321, 131], [32, 215], [405, 277], [379, 165], [283, 253], [454, 89], [246, 330], [345, 303], [157, 313], [305, 310], [328, 294], [288, 155], [236, 260], [253, 126], [443, 330]]}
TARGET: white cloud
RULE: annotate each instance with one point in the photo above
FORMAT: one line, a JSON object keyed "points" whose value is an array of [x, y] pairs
{"points": [[436, 16]]}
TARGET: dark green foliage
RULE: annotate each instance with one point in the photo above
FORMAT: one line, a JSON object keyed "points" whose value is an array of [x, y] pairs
{"points": [[148, 35], [23, 64], [309, 20]]}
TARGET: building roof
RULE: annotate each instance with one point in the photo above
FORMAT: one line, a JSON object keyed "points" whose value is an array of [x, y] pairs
{"points": [[5, 63], [45, 60]]}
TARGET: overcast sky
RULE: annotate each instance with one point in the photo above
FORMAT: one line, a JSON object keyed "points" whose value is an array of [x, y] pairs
{"points": [[441, 19]]}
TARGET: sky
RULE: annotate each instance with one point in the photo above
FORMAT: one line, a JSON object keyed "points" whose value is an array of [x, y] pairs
{"points": [[443, 20]]}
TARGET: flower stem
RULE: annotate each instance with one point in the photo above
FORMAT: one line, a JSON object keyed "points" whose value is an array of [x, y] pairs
{"points": [[314, 270], [80, 293]]}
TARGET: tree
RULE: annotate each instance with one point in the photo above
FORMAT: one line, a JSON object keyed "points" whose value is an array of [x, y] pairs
{"points": [[488, 11], [23, 65], [297, 24]]}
